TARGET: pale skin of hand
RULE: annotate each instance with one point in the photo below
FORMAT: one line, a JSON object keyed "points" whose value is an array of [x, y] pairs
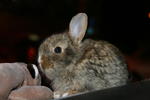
{"points": [[16, 80]]}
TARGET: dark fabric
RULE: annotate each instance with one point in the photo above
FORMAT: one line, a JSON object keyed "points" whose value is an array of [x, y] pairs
{"points": [[133, 91]]}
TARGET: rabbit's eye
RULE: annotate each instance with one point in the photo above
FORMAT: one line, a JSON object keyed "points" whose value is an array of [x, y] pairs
{"points": [[58, 50]]}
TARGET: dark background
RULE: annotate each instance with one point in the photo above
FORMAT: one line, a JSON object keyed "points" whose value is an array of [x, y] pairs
{"points": [[24, 24]]}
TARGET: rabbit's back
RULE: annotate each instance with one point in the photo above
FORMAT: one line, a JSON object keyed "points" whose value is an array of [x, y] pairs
{"points": [[101, 66]]}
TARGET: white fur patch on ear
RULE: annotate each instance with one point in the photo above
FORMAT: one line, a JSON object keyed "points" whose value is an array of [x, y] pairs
{"points": [[76, 29], [78, 26], [36, 70]]}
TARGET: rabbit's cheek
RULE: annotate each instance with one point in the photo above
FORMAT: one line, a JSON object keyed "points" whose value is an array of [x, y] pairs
{"points": [[46, 63], [56, 58]]}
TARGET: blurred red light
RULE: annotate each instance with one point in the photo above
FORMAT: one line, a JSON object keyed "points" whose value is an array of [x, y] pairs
{"points": [[148, 14]]}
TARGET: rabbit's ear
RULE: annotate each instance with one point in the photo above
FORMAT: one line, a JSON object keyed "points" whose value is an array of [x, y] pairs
{"points": [[77, 28]]}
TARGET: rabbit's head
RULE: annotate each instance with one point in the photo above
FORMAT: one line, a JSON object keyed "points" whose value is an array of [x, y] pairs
{"points": [[61, 50]]}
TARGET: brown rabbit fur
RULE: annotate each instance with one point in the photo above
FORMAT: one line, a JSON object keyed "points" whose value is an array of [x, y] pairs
{"points": [[75, 66]]}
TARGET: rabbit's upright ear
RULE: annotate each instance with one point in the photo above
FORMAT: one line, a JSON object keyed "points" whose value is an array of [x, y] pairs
{"points": [[77, 28]]}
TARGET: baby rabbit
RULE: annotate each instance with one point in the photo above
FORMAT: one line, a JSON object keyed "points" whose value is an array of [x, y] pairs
{"points": [[76, 66]]}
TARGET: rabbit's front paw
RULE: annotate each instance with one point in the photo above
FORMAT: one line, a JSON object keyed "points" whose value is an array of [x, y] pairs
{"points": [[64, 94], [59, 95]]}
